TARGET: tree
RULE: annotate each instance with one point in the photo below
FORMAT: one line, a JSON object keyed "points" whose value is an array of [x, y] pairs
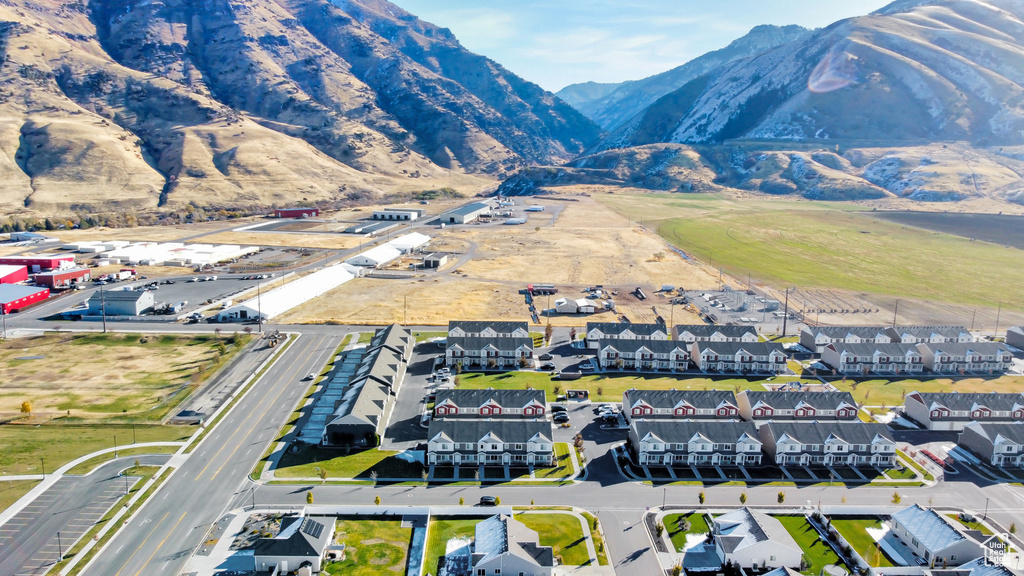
{"points": [[1013, 528], [322, 473], [376, 500], [548, 331], [373, 477], [782, 497], [26, 407], [701, 498], [461, 501], [896, 498], [309, 497], [659, 528], [743, 497], [572, 334], [221, 348], [497, 501], [677, 570]]}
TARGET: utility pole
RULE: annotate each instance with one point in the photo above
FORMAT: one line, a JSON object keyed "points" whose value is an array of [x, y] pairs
{"points": [[125, 484], [973, 316], [42, 466], [999, 313], [115, 445], [60, 548], [405, 311], [259, 307], [103, 308], [894, 311], [785, 314]]}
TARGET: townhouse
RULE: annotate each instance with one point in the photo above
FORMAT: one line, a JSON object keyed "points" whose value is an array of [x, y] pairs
{"points": [[959, 358], [863, 359], [679, 405], [1015, 337], [490, 403], [492, 442], [932, 537], [999, 444], [643, 355], [759, 406], [828, 444], [691, 333], [934, 334], [597, 332], [757, 357], [493, 353], [816, 339], [487, 329], [953, 410], [666, 443]]}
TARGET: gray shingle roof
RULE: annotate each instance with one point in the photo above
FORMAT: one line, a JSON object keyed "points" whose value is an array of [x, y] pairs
{"points": [[670, 398], [742, 528], [819, 432], [505, 398], [630, 346], [475, 327], [620, 327], [962, 348], [707, 330], [928, 527], [790, 400], [894, 350], [508, 431], [469, 209], [301, 536], [840, 332], [680, 431], [731, 348], [928, 331], [377, 375], [996, 401], [1012, 431], [499, 534], [978, 567], [474, 343]]}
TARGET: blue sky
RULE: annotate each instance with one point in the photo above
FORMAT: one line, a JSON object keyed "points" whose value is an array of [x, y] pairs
{"points": [[559, 42]]}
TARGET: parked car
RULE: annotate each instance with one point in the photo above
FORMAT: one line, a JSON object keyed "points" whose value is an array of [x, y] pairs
{"points": [[545, 357], [310, 376], [610, 418], [561, 417], [558, 408], [588, 367], [192, 279], [488, 501], [547, 366], [965, 517]]}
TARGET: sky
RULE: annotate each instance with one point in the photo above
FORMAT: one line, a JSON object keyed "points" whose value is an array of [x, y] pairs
{"points": [[560, 42]]}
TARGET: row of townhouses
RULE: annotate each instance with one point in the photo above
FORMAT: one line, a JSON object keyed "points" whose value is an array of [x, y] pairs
{"points": [[750, 405], [816, 339], [665, 443], [489, 345], [954, 410], [677, 356], [687, 333], [939, 358]]}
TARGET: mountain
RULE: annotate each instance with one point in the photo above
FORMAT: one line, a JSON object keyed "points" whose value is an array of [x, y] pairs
{"points": [[611, 105], [914, 72], [149, 105]]}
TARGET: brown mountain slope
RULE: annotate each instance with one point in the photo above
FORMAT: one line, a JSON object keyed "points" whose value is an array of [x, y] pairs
{"points": [[148, 104]]}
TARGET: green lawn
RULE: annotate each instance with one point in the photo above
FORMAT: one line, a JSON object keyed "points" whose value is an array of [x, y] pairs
{"points": [[816, 551], [855, 532], [907, 473], [365, 337], [595, 534], [58, 444], [360, 464], [372, 547], [890, 392], [438, 533], [12, 491], [424, 336], [96, 461], [603, 388], [834, 245], [698, 525], [970, 525], [562, 532]]}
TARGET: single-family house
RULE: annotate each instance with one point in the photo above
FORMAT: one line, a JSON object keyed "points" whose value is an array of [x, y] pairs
{"points": [[644, 355], [999, 444], [487, 329], [960, 358], [693, 443], [759, 406], [932, 537], [816, 338], [747, 538], [679, 405], [301, 542], [862, 359], [954, 410], [691, 333], [756, 357], [604, 331], [828, 444], [475, 353], [492, 442], [504, 545], [490, 403], [934, 334]]}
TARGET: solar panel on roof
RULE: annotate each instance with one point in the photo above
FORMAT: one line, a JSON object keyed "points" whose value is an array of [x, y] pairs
{"points": [[312, 528]]}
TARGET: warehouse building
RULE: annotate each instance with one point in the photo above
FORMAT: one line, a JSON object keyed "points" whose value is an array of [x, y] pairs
{"points": [[282, 299], [58, 279], [410, 242], [297, 212], [401, 214], [466, 214], [14, 298], [435, 260], [40, 262], [120, 302], [376, 257], [11, 274]]}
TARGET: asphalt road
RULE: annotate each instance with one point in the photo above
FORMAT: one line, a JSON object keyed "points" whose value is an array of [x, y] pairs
{"points": [[29, 543], [161, 537]]}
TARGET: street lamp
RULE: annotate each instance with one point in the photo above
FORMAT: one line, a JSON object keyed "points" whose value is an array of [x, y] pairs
{"points": [[42, 465], [115, 445], [60, 548], [985, 515]]}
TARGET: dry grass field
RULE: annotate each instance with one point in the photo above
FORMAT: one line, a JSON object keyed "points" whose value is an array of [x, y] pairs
{"points": [[101, 376], [296, 240], [145, 233]]}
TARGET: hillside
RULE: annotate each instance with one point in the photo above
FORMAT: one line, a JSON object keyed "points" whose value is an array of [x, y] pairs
{"points": [[611, 105], [134, 105]]}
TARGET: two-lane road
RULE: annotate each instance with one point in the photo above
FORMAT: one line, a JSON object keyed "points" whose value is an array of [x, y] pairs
{"points": [[163, 535]]}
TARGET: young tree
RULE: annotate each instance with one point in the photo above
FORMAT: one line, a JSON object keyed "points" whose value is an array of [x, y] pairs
{"points": [[26, 407], [461, 501], [743, 497], [701, 498], [376, 500], [497, 501], [659, 528], [548, 331], [1013, 528], [896, 498], [373, 477], [782, 497], [309, 497], [322, 473]]}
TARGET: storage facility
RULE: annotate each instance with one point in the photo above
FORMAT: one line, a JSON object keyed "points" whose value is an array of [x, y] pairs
{"points": [[162, 253], [63, 278], [12, 274], [370, 228], [466, 214], [297, 212], [435, 260], [402, 214], [577, 306], [376, 257], [120, 302], [40, 262], [410, 242], [282, 299], [14, 297]]}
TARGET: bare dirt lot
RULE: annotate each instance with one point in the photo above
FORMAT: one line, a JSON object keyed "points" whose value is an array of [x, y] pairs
{"points": [[100, 376], [296, 239]]}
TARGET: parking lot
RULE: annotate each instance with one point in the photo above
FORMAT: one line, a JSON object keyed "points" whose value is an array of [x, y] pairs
{"points": [[180, 289]]}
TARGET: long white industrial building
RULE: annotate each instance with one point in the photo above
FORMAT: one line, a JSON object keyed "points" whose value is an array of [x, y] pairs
{"points": [[282, 299], [389, 252], [161, 253]]}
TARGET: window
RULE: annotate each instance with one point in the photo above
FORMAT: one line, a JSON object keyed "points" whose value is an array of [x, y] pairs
{"points": [[772, 559], [914, 541], [480, 572]]}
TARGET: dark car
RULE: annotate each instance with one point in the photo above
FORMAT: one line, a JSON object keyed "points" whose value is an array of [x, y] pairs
{"points": [[547, 366], [545, 357], [488, 501], [561, 417], [558, 408]]}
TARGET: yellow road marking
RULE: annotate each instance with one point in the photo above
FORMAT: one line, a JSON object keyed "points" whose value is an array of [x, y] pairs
{"points": [[155, 526], [158, 546]]}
